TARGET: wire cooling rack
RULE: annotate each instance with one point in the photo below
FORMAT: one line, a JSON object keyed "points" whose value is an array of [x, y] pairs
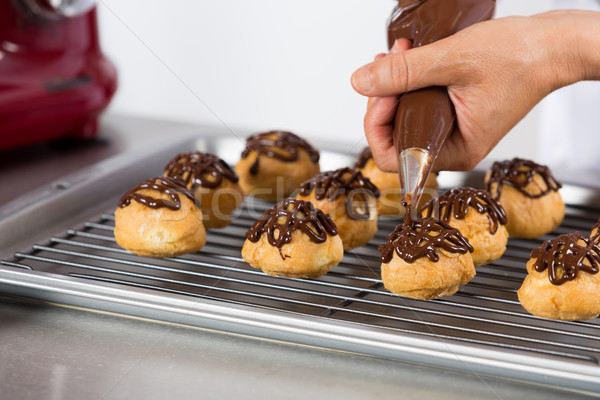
{"points": [[485, 313]]}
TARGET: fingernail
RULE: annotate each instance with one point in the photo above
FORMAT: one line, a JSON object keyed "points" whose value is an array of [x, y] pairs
{"points": [[395, 48], [361, 80]]}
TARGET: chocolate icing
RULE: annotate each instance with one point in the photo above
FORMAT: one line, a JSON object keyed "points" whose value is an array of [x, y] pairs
{"points": [[426, 117], [277, 144], [519, 173], [196, 169], [456, 202], [287, 216], [596, 236], [169, 186], [564, 257], [364, 156], [421, 238], [343, 181]]}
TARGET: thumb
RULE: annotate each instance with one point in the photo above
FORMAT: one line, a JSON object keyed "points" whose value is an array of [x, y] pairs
{"points": [[405, 71]]}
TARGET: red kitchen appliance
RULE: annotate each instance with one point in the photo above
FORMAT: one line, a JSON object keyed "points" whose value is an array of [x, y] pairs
{"points": [[54, 80]]}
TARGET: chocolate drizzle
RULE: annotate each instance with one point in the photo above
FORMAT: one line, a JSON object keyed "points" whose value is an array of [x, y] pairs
{"points": [[595, 236], [519, 173], [421, 238], [277, 144], [288, 216], [456, 202], [344, 181], [169, 186], [197, 169], [564, 257], [364, 156]]}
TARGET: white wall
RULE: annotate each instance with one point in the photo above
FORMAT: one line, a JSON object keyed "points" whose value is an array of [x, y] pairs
{"points": [[260, 64]]}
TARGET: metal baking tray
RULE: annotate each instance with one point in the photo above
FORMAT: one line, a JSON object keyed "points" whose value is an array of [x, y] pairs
{"points": [[481, 329]]}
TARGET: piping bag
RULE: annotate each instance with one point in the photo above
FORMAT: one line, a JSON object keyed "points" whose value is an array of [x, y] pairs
{"points": [[425, 118]]}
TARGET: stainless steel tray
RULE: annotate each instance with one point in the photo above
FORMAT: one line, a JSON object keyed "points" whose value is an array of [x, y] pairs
{"points": [[480, 329]]}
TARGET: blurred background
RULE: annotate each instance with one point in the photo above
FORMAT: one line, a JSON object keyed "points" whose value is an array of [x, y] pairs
{"points": [[268, 64]]}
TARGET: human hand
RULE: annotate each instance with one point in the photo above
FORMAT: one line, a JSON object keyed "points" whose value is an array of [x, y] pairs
{"points": [[495, 72]]}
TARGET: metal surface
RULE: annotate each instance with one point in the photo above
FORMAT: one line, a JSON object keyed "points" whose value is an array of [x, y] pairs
{"points": [[482, 328], [56, 9], [51, 352]]}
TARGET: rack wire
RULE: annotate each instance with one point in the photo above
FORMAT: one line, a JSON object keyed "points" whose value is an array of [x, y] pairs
{"points": [[484, 312]]}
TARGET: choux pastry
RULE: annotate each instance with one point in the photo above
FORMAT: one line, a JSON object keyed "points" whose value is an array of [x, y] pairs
{"points": [[213, 182], [529, 194], [350, 199], [477, 216], [426, 259], [293, 239], [274, 163], [563, 281], [159, 218]]}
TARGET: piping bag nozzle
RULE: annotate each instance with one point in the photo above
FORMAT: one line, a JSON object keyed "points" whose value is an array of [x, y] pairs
{"points": [[414, 165]]}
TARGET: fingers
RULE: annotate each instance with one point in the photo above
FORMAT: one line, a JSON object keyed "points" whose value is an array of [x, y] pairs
{"points": [[401, 45], [379, 120], [461, 154], [379, 128], [377, 57], [403, 71], [452, 155]]}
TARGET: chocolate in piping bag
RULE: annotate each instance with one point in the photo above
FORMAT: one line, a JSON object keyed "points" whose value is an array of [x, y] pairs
{"points": [[426, 117]]}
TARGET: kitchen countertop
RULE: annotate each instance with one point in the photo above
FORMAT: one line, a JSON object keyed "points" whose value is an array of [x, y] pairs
{"points": [[55, 352]]}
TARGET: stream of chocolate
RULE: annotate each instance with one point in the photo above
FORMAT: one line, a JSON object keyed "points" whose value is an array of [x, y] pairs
{"points": [[564, 256], [422, 238], [277, 144], [287, 216], [169, 186], [197, 169], [426, 117], [456, 202], [349, 182], [519, 173]]}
